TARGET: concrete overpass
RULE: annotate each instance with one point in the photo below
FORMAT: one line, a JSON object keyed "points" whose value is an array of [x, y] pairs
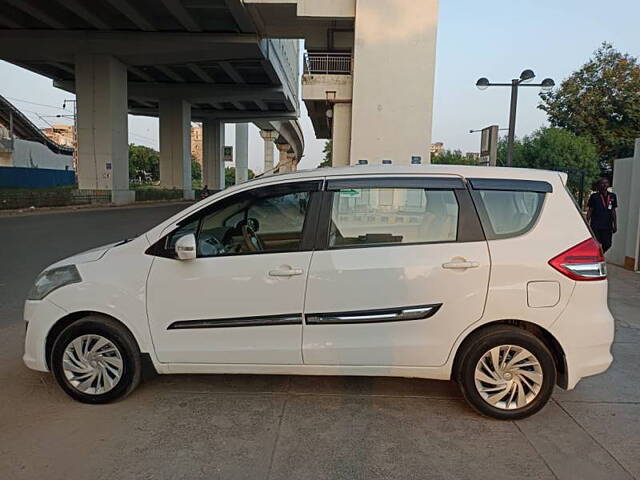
{"points": [[179, 60], [237, 61]]}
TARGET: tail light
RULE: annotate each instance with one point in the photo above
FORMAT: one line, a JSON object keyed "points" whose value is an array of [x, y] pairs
{"points": [[583, 262]]}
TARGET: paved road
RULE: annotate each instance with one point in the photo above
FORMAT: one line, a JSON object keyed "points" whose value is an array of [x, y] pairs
{"points": [[270, 427]]}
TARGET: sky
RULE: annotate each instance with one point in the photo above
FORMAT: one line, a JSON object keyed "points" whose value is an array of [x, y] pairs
{"points": [[496, 39]]}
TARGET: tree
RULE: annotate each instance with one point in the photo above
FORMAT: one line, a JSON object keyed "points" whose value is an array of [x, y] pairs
{"points": [[556, 149], [600, 101], [452, 157], [196, 171], [143, 159], [230, 176], [327, 160]]}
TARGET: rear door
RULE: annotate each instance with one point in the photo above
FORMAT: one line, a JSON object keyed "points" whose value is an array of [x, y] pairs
{"points": [[401, 268]]}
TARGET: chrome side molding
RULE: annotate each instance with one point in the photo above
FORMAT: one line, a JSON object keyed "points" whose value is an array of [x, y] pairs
{"points": [[402, 314]]}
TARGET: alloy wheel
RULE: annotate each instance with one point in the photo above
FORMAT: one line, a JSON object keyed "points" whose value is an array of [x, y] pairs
{"points": [[92, 364], [508, 377]]}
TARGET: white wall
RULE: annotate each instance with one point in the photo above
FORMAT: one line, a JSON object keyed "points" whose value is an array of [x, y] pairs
{"points": [[626, 185], [33, 154]]}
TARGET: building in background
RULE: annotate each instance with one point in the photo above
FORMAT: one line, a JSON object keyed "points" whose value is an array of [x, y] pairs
{"points": [[61, 134], [22, 144], [28, 157], [196, 143]]}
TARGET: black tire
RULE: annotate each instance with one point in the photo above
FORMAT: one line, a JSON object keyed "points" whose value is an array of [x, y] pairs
{"points": [[115, 333], [479, 344]]}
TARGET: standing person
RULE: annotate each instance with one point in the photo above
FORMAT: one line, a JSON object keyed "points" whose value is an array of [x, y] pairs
{"points": [[205, 192], [602, 213]]}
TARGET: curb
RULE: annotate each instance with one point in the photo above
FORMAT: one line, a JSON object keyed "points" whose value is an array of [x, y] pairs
{"points": [[23, 212]]}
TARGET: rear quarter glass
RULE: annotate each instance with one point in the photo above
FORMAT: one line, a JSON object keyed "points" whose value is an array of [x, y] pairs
{"points": [[508, 213]]}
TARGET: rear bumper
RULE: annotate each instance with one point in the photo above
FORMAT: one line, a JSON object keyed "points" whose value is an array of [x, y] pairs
{"points": [[40, 316], [585, 330]]}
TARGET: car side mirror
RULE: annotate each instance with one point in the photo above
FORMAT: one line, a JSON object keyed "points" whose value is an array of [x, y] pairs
{"points": [[186, 247]]}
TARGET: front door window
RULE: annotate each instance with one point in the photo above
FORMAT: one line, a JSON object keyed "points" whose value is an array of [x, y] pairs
{"points": [[249, 225]]}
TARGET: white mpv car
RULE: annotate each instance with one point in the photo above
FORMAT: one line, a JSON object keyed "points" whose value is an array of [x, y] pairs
{"points": [[486, 276]]}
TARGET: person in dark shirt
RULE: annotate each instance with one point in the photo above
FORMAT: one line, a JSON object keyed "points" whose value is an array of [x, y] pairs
{"points": [[602, 214]]}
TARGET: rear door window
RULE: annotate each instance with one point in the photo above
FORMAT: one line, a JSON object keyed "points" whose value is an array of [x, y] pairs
{"points": [[392, 216]]}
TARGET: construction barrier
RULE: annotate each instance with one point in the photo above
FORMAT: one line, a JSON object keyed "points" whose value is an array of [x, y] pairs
{"points": [[20, 177]]}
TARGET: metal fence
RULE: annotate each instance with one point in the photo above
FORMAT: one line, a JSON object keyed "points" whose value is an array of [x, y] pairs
{"points": [[328, 63]]}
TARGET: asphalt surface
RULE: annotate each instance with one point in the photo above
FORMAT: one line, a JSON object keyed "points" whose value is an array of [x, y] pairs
{"points": [[281, 427]]}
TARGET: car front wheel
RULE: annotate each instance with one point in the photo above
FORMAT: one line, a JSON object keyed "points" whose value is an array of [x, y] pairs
{"points": [[96, 360], [506, 373]]}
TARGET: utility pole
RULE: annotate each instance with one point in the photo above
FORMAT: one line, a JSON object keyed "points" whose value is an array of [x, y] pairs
{"points": [[511, 139], [74, 133], [525, 77]]}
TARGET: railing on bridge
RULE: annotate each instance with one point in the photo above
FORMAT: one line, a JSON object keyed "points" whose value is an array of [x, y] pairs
{"points": [[287, 54], [328, 63]]}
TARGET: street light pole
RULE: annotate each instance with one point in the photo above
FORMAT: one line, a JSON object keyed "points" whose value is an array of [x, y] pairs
{"points": [[526, 76], [512, 121]]}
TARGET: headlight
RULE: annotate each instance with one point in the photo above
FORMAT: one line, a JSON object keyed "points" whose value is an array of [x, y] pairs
{"points": [[50, 280]]}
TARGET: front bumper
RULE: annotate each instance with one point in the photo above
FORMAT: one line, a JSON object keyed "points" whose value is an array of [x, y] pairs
{"points": [[40, 316]]}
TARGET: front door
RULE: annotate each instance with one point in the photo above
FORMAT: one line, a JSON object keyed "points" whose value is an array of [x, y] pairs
{"points": [[403, 271], [241, 300]]}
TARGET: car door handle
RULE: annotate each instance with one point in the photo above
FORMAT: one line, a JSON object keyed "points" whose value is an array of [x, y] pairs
{"points": [[286, 272], [460, 265]]}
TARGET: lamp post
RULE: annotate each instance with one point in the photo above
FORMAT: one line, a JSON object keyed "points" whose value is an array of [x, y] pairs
{"points": [[525, 77], [74, 131]]}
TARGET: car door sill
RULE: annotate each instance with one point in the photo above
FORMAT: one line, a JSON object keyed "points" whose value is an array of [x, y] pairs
{"points": [[436, 373]]}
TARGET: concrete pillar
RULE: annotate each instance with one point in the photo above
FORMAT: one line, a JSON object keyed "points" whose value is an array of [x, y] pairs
{"points": [[242, 153], [292, 165], [213, 154], [341, 135], [103, 150], [283, 148], [175, 146], [393, 79], [269, 137]]}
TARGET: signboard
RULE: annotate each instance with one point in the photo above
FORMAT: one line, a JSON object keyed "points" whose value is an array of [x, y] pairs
{"points": [[489, 145], [485, 142], [228, 154]]}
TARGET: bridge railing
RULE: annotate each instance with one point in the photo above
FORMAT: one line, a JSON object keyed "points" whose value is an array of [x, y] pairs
{"points": [[330, 63], [285, 54]]}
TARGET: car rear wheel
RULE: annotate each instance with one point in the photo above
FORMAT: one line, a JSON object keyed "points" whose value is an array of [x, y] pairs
{"points": [[96, 360], [506, 373]]}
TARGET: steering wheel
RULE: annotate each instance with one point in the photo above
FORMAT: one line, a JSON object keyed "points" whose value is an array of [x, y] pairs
{"points": [[252, 242], [211, 247]]}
